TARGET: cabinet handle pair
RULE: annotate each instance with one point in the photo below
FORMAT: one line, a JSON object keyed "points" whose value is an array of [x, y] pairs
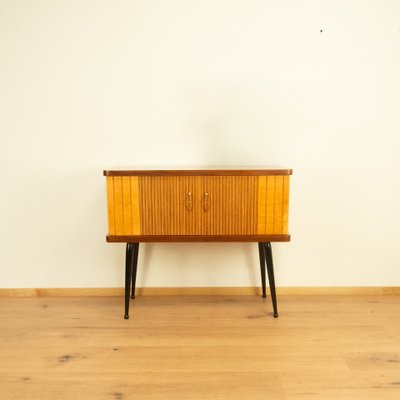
{"points": [[189, 201]]}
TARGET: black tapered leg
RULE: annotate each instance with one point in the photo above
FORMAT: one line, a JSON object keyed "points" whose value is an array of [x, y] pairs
{"points": [[134, 268], [128, 272], [261, 250], [271, 277]]}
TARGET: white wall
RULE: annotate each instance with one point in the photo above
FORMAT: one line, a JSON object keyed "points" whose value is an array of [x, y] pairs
{"points": [[90, 85]]}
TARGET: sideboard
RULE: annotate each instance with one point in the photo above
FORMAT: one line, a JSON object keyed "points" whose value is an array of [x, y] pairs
{"points": [[226, 205]]}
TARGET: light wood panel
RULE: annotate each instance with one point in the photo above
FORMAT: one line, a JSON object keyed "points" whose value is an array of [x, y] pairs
{"points": [[278, 205], [118, 206], [192, 348], [203, 291], [110, 205], [270, 212], [127, 205], [273, 205], [135, 205], [285, 205], [123, 205]]}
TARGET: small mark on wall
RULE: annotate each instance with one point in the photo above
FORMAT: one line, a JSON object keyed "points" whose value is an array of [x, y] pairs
{"points": [[118, 396], [25, 378]]}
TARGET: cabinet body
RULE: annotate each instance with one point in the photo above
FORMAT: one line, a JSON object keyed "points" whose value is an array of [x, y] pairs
{"points": [[233, 205]]}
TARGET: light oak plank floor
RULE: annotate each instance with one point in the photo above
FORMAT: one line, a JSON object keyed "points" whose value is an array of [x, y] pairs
{"points": [[200, 347]]}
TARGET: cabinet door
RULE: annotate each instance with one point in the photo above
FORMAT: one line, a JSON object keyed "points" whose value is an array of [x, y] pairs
{"points": [[229, 205], [169, 205], [198, 205]]}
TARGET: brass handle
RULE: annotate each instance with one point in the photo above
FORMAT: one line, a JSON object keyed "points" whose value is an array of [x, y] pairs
{"points": [[189, 201], [206, 203]]}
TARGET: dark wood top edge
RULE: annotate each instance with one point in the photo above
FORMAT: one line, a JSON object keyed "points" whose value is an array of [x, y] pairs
{"points": [[198, 238], [199, 172]]}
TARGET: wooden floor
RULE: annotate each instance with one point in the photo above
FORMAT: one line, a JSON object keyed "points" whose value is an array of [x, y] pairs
{"points": [[199, 347]]}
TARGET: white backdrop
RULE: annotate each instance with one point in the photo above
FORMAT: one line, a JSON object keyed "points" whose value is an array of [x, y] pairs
{"points": [[91, 85]]}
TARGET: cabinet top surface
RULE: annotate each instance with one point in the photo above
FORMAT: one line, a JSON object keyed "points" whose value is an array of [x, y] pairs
{"points": [[197, 171]]}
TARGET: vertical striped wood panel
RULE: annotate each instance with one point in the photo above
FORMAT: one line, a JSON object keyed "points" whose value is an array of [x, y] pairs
{"points": [[285, 205], [262, 204], [164, 202], [135, 205], [123, 205], [278, 205], [232, 205], [270, 203], [273, 204], [118, 206], [127, 205], [110, 205]]}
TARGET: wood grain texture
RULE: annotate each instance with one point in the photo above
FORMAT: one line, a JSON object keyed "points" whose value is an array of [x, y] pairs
{"points": [[278, 205], [123, 205], [192, 348], [262, 205], [127, 205], [220, 205], [135, 205], [270, 212], [110, 205], [205, 291], [118, 205], [285, 205], [199, 172]]}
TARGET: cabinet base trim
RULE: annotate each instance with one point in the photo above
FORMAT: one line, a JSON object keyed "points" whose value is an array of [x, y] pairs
{"points": [[197, 238]]}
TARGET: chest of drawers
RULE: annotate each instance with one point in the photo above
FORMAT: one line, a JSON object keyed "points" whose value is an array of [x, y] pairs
{"points": [[242, 205]]}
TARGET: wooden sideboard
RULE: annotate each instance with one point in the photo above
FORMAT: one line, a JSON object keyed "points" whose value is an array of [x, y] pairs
{"points": [[230, 205]]}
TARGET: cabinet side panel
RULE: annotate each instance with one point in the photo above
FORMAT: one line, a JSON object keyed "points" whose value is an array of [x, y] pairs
{"points": [[134, 181], [270, 203], [262, 205], [118, 206], [110, 205], [127, 205], [285, 205], [278, 204]]}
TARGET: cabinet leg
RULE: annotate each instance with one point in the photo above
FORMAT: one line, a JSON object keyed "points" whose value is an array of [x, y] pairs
{"points": [[134, 268], [261, 250], [271, 278], [128, 272]]}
